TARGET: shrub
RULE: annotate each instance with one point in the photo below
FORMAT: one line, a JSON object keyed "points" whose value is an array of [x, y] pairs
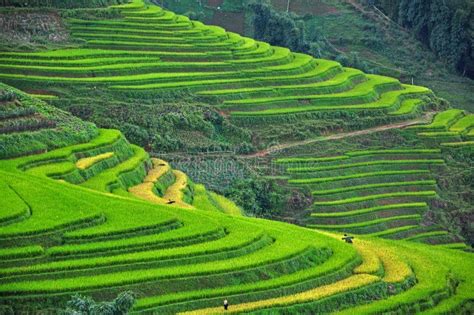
{"points": [[121, 305]]}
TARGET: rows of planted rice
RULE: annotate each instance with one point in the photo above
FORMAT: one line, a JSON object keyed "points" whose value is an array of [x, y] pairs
{"points": [[377, 192], [79, 218], [178, 269], [83, 210], [19, 116], [150, 248], [385, 275], [150, 50], [29, 125], [450, 128]]}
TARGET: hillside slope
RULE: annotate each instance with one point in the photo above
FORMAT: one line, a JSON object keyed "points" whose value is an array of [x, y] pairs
{"points": [[233, 90], [29, 126], [359, 35], [149, 58], [71, 222]]}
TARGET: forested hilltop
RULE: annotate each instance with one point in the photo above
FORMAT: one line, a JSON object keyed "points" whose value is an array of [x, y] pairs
{"points": [[153, 163], [447, 27]]}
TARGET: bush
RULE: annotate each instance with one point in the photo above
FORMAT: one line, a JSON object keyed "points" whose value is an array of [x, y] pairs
{"points": [[80, 304], [257, 196]]}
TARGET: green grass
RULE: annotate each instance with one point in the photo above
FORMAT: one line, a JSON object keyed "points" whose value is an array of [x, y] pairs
{"points": [[104, 138], [365, 90], [273, 253], [374, 192], [95, 238], [117, 67], [311, 159], [21, 252], [438, 134], [392, 151], [190, 233], [426, 235], [76, 53], [342, 81], [430, 268], [348, 155], [13, 206], [107, 179], [458, 144], [393, 231], [227, 206], [202, 199], [323, 69], [240, 236]]}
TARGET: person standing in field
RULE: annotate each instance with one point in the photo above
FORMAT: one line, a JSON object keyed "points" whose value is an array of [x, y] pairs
{"points": [[226, 304]]}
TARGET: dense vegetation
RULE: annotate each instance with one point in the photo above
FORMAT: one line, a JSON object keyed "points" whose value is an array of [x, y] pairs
{"points": [[97, 220], [28, 126], [278, 29], [445, 26]]}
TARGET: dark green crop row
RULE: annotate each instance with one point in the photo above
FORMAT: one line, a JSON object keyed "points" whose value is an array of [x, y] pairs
{"points": [[371, 186], [413, 205], [356, 175], [363, 164], [428, 193]]}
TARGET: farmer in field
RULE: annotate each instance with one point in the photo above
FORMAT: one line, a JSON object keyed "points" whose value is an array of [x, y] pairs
{"points": [[226, 304], [348, 239]]}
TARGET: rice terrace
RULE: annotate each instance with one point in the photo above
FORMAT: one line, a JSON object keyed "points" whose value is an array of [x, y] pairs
{"points": [[236, 156]]}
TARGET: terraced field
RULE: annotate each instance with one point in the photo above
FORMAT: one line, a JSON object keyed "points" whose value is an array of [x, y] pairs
{"points": [[381, 193], [92, 217], [451, 128], [150, 51], [85, 211]]}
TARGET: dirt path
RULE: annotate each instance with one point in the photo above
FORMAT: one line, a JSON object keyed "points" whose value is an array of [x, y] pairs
{"points": [[426, 118]]}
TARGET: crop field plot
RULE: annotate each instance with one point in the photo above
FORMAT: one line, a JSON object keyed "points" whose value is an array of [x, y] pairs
{"points": [[95, 216], [376, 192], [83, 210], [451, 128], [251, 81]]}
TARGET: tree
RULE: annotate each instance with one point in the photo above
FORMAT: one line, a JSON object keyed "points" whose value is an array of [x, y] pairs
{"points": [[278, 29], [258, 197], [85, 305], [445, 26]]}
